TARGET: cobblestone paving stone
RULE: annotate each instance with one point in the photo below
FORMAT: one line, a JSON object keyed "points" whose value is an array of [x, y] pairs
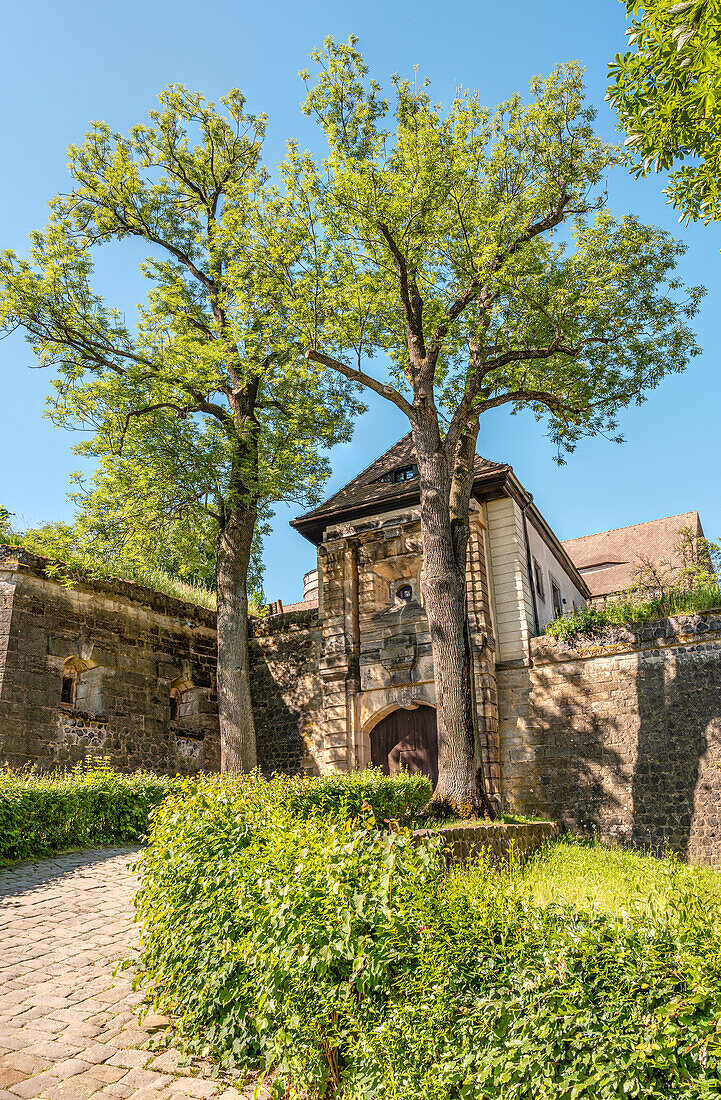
{"points": [[68, 1026]]}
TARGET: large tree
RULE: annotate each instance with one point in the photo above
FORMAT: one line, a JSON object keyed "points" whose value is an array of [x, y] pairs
{"points": [[667, 92], [203, 409], [471, 247]]}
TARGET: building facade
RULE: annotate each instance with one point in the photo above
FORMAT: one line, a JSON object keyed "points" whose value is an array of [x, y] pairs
{"points": [[619, 739], [375, 651], [342, 680]]}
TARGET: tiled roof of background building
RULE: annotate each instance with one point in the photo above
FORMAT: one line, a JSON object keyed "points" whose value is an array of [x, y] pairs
{"points": [[606, 560]]}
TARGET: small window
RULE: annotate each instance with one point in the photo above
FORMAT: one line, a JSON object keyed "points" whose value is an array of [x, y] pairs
{"points": [[185, 708], [67, 691], [538, 576], [403, 473], [405, 592], [556, 599], [406, 473]]}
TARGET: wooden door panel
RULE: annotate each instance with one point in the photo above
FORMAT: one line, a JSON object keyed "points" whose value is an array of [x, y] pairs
{"points": [[406, 739]]}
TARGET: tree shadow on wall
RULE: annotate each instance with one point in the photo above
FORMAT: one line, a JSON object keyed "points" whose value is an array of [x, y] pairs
{"points": [[677, 698], [280, 744], [583, 774]]}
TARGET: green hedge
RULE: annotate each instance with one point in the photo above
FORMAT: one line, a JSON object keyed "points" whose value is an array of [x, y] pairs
{"points": [[83, 808], [398, 798], [49, 812], [344, 957]]}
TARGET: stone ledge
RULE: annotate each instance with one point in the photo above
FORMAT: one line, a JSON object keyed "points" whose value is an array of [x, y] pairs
{"points": [[283, 623], [18, 560], [466, 842], [693, 629]]}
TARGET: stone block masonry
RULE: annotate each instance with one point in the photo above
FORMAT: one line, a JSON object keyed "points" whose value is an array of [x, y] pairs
{"points": [[92, 670], [620, 737], [287, 695], [500, 842], [113, 669]]}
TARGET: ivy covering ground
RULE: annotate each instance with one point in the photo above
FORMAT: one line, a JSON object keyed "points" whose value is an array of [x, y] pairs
{"points": [[345, 958]]}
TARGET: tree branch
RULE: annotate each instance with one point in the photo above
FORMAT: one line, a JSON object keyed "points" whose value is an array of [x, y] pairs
{"points": [[389, 392]]}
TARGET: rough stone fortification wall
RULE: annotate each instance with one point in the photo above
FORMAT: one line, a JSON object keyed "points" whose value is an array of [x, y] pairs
{"points": [[130, 650], [500, 841], [621, 737], [287, 696], [144, 667]]}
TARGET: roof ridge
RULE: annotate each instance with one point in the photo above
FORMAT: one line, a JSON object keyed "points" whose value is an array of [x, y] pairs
{"points": [[628, 526]]}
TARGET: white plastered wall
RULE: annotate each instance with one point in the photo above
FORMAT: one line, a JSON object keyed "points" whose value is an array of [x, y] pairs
{"points": [[551, 567], [509, 579], [512, 598]]}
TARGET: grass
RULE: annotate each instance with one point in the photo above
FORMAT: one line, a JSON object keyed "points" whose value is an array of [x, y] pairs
{"points": [[615, 881], [629, 608], [159, 581], [148, 576]]}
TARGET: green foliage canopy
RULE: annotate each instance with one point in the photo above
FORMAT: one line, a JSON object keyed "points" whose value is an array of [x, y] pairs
{"points": [[86, 807], [472, 246], [667, 92], [205, 403]]}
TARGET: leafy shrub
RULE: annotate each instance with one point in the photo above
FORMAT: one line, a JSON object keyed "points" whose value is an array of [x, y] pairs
{"points": [[273, 936], [630, 608], [90, 806], [400, 797], [346, 958]]}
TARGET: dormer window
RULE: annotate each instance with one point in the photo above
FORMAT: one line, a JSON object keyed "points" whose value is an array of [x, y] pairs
{"points": [[402, 473]]}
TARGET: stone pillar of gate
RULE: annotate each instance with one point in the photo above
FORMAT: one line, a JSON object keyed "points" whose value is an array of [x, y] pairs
{"points": [[339, 673], [483, 649]]}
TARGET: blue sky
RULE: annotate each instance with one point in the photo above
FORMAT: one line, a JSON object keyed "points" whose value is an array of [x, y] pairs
{"points": [[65, 65]]}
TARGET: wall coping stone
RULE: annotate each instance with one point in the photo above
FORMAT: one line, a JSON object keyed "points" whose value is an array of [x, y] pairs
{"points": [[688, 629], [468, 841], [18, 560], [283, 623]]}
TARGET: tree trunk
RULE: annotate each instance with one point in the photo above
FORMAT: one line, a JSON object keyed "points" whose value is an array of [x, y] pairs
{"points": [[445, 541], [237, 728]]}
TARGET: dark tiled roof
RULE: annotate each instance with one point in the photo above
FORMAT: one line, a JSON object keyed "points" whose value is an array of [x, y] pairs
{"points": [[365, 492], [615, 553]]}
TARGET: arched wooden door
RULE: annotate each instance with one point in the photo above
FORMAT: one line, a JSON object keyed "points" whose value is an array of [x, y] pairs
{"points": [[406, 740]]}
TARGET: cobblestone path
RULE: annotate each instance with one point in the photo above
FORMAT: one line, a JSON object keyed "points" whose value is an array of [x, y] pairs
{"points": [[68, 1027]]}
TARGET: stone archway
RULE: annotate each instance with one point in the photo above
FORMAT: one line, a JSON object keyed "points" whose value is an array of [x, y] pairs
{"points": [[406, 740]]}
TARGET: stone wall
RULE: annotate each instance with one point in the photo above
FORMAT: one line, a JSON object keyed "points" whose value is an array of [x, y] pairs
{"points": [[116, 670], [287, 698], [500, 841], [621, 737], [91, 669]]}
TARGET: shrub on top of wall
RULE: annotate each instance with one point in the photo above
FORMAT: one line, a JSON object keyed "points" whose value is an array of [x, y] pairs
{"points": [[82, 808], [400, 797]]}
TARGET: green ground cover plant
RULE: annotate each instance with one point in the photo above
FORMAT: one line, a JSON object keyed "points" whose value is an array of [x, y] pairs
{"points": [[591, 875], [349, 960], [401, 798], [629, 609], [87, 807]]}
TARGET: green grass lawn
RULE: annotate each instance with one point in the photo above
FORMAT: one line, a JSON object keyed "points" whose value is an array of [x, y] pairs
{"points": [[609, 880]]}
